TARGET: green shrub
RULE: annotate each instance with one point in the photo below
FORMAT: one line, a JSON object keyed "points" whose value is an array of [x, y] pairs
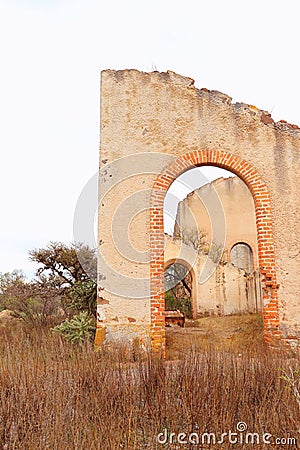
{"points": [[83, 297], [184, 304], [78, 329]]}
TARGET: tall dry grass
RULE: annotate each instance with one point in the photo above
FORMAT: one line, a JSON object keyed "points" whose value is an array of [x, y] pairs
{"points": [[58, 396]]}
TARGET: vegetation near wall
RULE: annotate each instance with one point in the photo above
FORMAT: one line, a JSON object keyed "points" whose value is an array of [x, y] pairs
{"points": [[61, 287], [57, 395], [57, 392]]}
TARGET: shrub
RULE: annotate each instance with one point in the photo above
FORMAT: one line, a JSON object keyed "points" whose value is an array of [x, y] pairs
{"points": [[83, 297], [78, 329], [184, 304]]}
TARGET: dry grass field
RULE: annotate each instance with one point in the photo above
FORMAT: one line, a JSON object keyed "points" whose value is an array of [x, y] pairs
{"points": [[235, 333], [55, 395]]}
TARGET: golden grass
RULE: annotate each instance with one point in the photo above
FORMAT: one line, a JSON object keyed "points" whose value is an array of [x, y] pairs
{"points": [[58, 396], [235, 333]]}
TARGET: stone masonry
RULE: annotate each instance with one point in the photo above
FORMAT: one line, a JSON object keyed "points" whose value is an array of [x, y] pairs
{"points": [[154, 127]]}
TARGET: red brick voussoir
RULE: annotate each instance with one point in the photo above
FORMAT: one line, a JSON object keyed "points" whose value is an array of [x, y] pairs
{"points": [[266, 257]]}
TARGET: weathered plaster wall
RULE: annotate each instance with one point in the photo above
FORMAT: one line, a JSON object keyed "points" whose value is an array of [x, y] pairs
{"points": [[237, 205], [164, 113], [227, 291]]}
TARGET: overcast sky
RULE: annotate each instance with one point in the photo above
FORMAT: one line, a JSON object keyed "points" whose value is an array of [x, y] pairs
{"points": [[51, 56]]}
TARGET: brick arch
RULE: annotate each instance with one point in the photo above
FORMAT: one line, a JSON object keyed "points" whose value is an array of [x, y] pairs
{"points": [[266, 257]]}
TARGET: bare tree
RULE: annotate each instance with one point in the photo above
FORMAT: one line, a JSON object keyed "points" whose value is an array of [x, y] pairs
{"points": [[59, 263], [197, 239], [61, 282], [35, 303], [178, 286]]}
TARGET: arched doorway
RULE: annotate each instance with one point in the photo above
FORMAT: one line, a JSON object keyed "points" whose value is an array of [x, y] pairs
{"points": [[180, 289], [264, 232]]}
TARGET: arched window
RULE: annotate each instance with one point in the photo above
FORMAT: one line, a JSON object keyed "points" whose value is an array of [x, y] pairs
{"points": [[241, 256]]}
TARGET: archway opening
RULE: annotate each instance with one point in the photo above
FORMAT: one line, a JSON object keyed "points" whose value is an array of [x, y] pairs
{"points": [[209, 214], [178, 290], [263, 213]]}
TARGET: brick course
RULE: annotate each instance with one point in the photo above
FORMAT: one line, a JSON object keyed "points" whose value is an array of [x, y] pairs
{"points": [[266, 255]]}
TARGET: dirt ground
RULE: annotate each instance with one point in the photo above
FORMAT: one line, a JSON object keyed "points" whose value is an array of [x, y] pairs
{"points": [[229, 333]]}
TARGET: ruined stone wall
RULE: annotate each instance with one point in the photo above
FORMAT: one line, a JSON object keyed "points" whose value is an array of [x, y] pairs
{"points": [[165, 117], [229, 290], [236, 202]]}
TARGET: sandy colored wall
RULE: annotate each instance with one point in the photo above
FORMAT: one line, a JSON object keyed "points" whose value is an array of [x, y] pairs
{"points": [[164, 114], [235, 202], [227, 291]]}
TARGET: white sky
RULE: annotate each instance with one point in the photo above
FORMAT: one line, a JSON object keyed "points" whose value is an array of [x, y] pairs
{"points": [[51, 55], [183, 185]]}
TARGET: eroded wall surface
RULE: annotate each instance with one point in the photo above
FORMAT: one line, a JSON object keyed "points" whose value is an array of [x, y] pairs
{"points": [[148, 120], [229, 290], [236, 202]]}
